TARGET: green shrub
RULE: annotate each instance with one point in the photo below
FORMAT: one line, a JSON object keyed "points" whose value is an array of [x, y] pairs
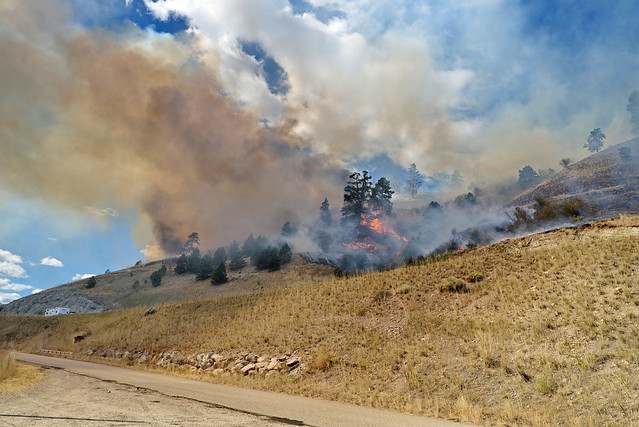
{"points": [[91, 282], [219, 275], [381, 294], [573, 208], [404, 289], [474, 277], [454, 284]]}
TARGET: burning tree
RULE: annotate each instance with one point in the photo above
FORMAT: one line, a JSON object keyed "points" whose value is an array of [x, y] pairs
{"points": [[357, 193], [380, 200], [365, 215]]}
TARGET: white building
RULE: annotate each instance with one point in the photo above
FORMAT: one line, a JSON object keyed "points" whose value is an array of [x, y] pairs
{"points": [[56, 311]]}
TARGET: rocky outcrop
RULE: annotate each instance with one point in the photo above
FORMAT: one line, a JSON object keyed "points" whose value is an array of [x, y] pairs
{"points": [[38, 303], [225, 363]]}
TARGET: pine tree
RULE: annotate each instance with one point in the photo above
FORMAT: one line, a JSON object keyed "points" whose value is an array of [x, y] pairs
{"points": [[414, 181], [237, 261], [595, 140], [325, 219], [356, 196], [249, 245], [285, 254], [219, 275], [381, 195]]}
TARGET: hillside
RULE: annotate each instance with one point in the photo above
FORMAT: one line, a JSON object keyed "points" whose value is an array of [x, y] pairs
{"points": [[548, 338], [603, 179], [131, 287]]}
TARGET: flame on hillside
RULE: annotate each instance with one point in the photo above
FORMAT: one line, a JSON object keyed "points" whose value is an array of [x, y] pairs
{"points": [[376, 229]]}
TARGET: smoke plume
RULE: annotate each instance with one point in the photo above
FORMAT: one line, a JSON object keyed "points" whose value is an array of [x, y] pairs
{"points": [[133, 120]]}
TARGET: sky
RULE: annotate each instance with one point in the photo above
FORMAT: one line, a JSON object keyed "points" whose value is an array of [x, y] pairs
{"points": [[126, 125]]}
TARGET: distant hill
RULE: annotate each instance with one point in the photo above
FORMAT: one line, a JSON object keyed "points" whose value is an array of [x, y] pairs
{"points": [[131, 287], [604, 179]]}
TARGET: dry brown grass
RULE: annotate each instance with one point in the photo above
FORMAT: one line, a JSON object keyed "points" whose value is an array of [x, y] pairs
{"points": [[16, 376], [549, 337], [131, 287]]}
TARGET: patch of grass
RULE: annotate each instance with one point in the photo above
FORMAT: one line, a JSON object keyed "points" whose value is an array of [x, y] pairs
{"points": [[404, 289], [454, 284], [7, 365]]}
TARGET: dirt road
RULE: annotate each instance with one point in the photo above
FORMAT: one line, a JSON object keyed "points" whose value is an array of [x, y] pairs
{"points": [[129, 398], [67, 399]]}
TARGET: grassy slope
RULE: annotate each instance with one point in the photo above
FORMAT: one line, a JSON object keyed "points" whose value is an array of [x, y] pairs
{"points": [[604, 179], [117, 289], [549, 337]]}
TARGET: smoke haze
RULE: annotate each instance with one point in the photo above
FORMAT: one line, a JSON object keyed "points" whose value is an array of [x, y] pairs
{"points": [[172, 125]]}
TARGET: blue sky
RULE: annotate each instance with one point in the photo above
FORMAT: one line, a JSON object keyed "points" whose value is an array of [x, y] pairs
{"points": [[129, 124]]}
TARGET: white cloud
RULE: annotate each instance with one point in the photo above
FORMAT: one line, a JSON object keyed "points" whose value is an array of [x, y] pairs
{"points": [[81, 276], [6, 298], [9, 265], [36, 291], [9, 257], [8, 285], [12, 270], [101, 212], [51, 262], [53, 239]]}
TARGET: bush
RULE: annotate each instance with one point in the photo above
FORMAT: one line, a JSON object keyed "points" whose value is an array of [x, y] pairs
{"points": [[91, 282], [454, 284], [219, 276], [474, 277], [156, 276], [625, 153], [404, 289], [545, 210], [381, 295], [149, 311], [573, 208]]}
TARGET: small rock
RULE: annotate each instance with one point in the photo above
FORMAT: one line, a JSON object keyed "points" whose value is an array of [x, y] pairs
{"points": [[247, 368], [293, 361]]}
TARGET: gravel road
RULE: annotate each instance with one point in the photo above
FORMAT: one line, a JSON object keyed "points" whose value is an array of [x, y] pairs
{"points": [[67, 399], [123, 399]]}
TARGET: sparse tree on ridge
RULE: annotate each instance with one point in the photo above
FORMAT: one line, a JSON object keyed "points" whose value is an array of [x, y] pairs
{"points": [[414, 181], [565, 162], [595, 140], [528, 177]]}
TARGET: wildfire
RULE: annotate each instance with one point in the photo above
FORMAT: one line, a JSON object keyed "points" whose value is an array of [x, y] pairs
{"points": [[379, 226], [362, 245]]}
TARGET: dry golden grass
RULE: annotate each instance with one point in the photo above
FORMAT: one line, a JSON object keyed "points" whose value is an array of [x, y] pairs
{"points": [[16, 376], [549, 337]]}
